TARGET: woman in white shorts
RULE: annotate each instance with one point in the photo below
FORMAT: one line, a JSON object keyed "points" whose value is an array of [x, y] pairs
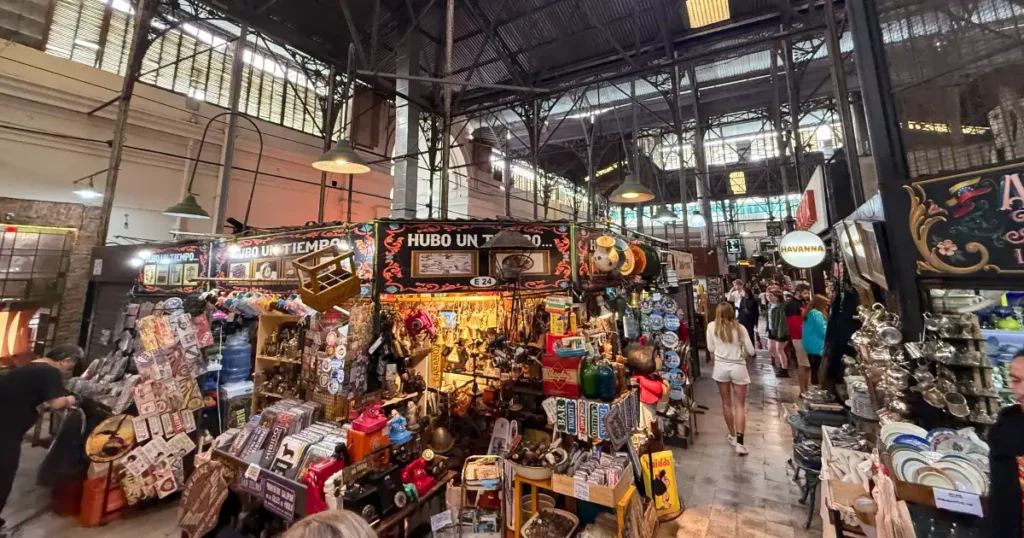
{"points": [[730, 344]]}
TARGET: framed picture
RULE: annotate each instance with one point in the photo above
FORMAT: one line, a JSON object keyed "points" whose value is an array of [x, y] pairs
{"points": [[541, 262], [266, 269], [149, 275], [191, 273], [239, 270], [176, 272], [444, 264], [287, 269], [162, 275]]}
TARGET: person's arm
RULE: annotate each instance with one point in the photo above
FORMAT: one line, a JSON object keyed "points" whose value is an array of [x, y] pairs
{"points": [[52, 393], [709, 337], [748, 345]]}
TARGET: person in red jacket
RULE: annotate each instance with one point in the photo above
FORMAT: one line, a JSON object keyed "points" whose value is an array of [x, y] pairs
{"points": [[795, 321]]}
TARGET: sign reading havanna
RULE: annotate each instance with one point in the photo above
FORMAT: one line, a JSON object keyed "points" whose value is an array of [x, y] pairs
{"points": [[802, 249]]}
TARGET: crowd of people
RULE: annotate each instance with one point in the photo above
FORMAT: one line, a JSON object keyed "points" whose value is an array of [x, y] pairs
{"points": [[795, 322]]}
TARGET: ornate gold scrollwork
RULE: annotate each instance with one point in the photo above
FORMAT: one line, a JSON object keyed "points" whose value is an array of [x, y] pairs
{"points": [[920, 225]]}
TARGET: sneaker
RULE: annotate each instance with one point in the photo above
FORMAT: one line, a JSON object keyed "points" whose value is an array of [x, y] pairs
{"points": [[731, 439], [742, 450]]}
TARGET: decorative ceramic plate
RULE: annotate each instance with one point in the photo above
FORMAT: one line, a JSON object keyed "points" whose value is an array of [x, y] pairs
{"points": [[671, 359], [932, 477], [956, 445], [961, 477], [672, 322], [901, 428], [669, 340], [912, 440]]}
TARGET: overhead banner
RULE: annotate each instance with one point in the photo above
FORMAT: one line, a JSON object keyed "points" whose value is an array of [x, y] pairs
{"points": [[434, 257], [266, 259], [969, 223], [173, 269]]}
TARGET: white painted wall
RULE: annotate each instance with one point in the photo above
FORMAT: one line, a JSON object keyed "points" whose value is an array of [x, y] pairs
{"points": [[46, 94]]}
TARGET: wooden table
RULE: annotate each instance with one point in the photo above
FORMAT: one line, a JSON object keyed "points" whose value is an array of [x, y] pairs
{"points": [[620, 505]]}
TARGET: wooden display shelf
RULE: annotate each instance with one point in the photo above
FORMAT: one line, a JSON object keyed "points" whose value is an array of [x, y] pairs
{"points": [[268, 325], [278, 359], [620, 505]]}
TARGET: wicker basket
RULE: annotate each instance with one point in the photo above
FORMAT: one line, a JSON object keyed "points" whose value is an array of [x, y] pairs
{"points": [[325, 284]]}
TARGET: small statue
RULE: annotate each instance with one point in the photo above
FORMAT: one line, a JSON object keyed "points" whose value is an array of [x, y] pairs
{"points": [[412, 416]]}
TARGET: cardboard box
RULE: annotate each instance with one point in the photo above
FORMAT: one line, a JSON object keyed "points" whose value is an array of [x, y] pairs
{"points": [[561, 376], [604, 495]]}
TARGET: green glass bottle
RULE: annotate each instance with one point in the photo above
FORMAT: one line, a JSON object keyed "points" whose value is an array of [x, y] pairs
{"points": [[589, 376], [605, 381]]}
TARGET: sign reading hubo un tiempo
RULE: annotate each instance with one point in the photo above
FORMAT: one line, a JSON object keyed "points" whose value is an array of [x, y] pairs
{"points": [[968, 223], [173, 269], [432, 257], [268, 258]]}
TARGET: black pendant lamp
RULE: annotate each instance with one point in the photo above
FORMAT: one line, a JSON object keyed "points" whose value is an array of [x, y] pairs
{"points": [[343, 159], [665, 215], [631, 192]]}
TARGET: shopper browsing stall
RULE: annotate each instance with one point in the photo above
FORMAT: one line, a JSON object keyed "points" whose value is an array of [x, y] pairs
{"points": [[332, 524], [730, 344], [1006, 463], [813, 330], [22, 391], [778, 333], [794, 319]]}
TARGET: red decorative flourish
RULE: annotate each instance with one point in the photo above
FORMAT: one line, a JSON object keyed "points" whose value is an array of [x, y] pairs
{"points": [[432, 287]]}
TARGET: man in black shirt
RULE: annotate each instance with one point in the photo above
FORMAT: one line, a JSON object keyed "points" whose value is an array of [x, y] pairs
{"points": [[22, 391], [1006, 462]]}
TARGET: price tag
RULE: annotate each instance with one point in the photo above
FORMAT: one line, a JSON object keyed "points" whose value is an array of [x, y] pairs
{"points": [[253, 472], [380, 340], [581, 489], [958, 501], [440, 520]]}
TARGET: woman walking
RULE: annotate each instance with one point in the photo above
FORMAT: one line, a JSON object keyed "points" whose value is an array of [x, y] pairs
{"points": [[815, 321], [778, 334], [730, 344]]}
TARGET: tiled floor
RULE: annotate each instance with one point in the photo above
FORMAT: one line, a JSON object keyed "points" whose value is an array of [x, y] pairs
{"points": [[750, 496]]}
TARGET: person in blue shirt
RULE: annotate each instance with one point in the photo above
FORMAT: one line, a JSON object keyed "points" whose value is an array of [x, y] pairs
{"points": [[813, 339]]}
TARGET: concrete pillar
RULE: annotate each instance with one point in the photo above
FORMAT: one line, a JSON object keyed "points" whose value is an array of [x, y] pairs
{"points": [[407, 131]]}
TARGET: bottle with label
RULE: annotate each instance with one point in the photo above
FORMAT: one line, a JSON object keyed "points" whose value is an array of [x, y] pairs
{"points": [[589, 378], [630, 328]]}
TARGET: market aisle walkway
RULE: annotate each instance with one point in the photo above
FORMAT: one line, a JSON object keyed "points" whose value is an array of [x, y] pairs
{"points": [[752, 496]]}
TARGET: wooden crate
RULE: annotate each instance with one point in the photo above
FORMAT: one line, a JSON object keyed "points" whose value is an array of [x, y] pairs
{"points": [[604, 495], [325, 284]]}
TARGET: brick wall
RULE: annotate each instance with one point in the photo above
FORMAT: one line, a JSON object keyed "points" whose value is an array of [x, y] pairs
{"points": [[86, 220]]}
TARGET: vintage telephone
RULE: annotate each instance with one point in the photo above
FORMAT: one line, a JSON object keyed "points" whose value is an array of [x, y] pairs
{"points": [[320, 475]]}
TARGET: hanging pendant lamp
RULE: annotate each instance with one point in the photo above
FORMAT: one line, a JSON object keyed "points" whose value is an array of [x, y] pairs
{"points": [[342, 159], [631, 192], [188, 208], [666, 215]]}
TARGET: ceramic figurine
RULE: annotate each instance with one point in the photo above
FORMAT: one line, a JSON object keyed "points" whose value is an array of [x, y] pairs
{"points": [[397, 426]]}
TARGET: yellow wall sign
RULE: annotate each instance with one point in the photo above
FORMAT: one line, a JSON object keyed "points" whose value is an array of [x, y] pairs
{"points": [[664, 487]]}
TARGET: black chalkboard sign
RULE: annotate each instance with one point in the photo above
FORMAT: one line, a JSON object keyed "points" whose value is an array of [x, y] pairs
{"points": [[435, 257], [969, 224]]}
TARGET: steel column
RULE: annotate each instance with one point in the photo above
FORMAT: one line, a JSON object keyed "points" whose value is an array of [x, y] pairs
{"points": [[890, 159], [446, 129], [835, 55], [328, 132], [793, 89], [227, 157], [780, 131], [506, 176], [407, 133], [860, 122], [534, 148], [590, 132], [701, 162], [684, 194], [144, 11]]}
